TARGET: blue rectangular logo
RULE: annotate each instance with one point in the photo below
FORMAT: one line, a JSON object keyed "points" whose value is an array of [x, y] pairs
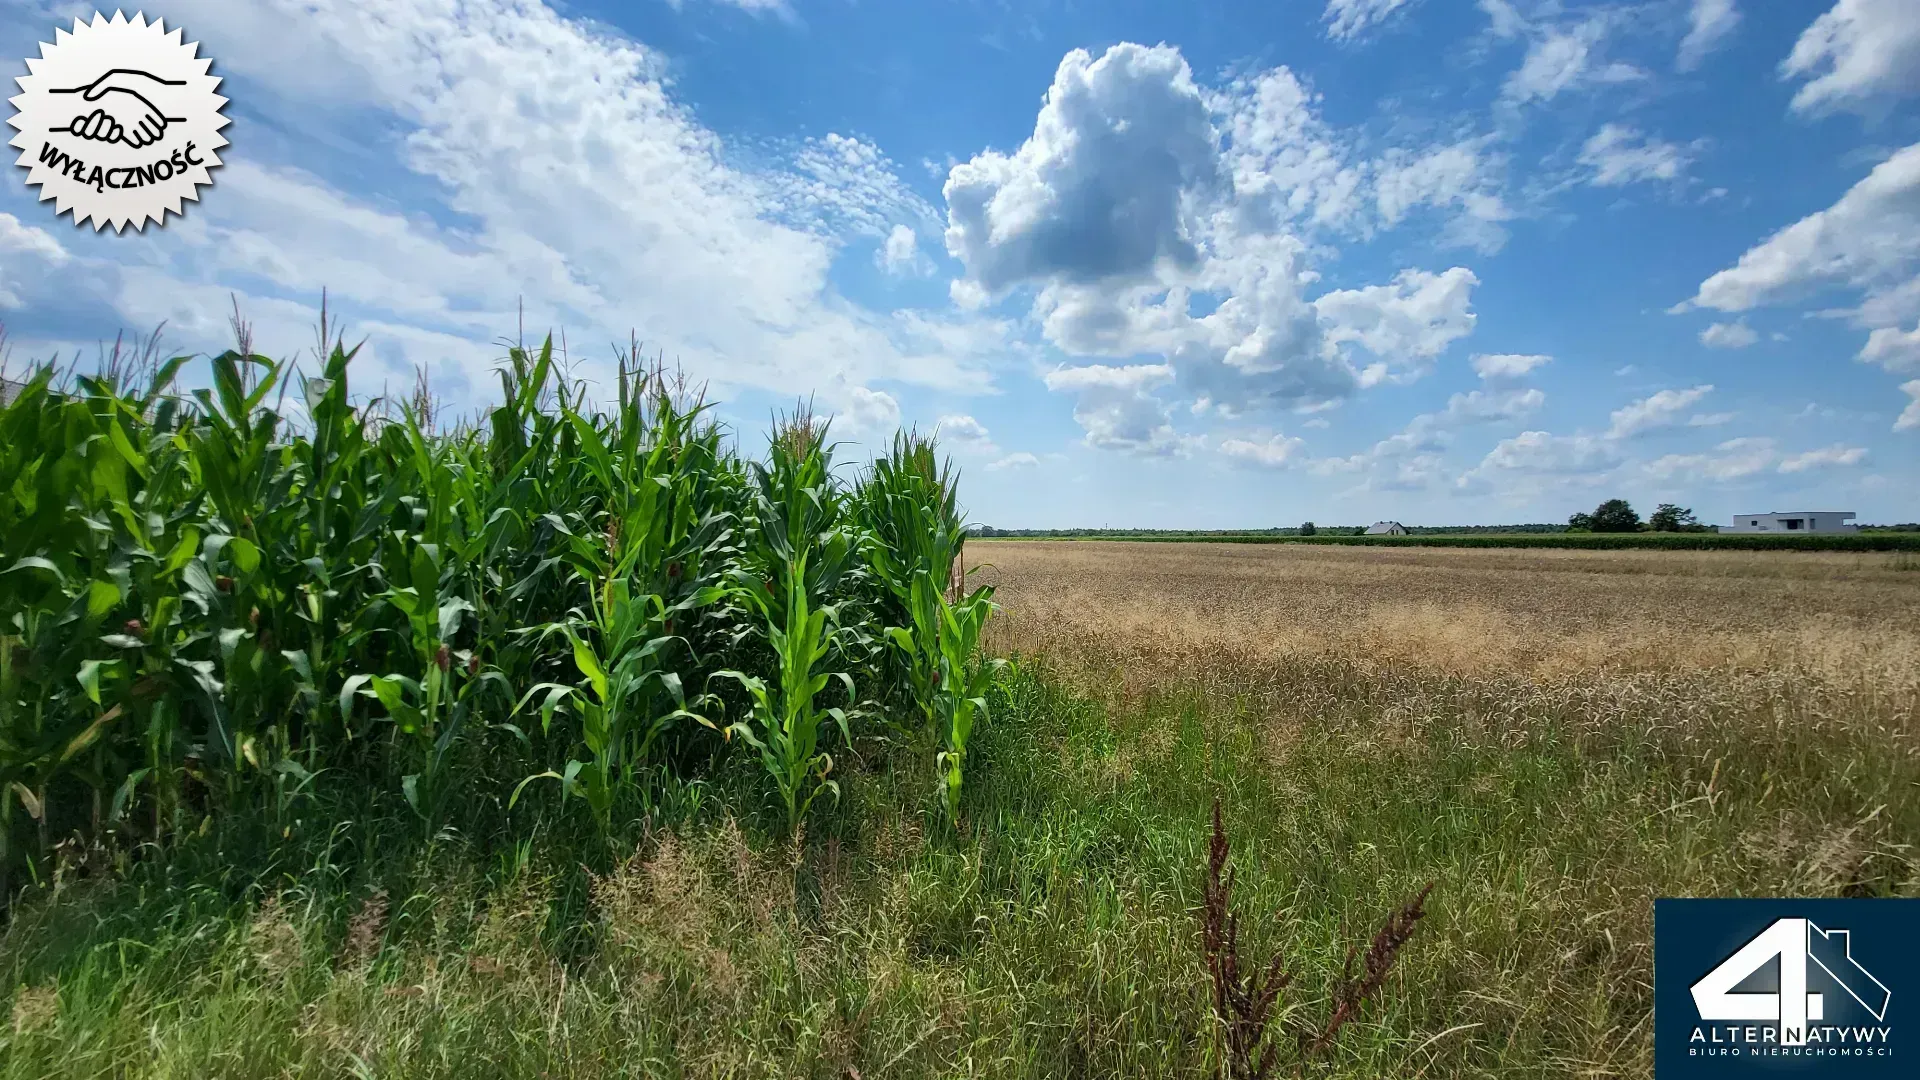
{"points": [[1785, 988]]}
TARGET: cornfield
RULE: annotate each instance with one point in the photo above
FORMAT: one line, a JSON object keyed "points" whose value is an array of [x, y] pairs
{"points": [[214, 603]]}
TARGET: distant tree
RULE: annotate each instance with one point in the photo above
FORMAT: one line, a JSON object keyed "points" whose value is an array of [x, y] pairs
{"points": [[1670, 518], [1615, 516], [1580, 523], [1307, 529]]}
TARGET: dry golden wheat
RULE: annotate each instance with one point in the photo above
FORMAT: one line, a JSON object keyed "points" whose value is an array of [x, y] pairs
{"points": [[1469, 612]]}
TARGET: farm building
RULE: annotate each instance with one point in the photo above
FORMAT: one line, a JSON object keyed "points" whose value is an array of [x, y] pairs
{"points": [[9, 390], [1820, 521], [1386, 528]]}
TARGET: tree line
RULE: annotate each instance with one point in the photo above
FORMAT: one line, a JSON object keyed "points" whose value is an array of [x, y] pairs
{"points": [[1619, 516]]}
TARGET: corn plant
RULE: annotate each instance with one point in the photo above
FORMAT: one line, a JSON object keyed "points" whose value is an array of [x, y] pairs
{"points": [[96, 521], [213, 604], [915, 539], [647, 573], [960, 687], [800, 553]]}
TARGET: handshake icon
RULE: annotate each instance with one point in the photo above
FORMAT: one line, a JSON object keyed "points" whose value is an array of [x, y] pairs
{"points": [[122, 108]]}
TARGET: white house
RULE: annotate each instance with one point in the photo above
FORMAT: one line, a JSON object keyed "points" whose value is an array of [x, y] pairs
{"points": [[1386, 528], [1820, 521]]}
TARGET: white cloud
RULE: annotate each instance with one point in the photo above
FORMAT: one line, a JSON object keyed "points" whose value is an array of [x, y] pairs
{"points": [[1535, 457], [867, 414], [1114, 407], [1139, 198], [1826, 457], [1652, 413], [1347, 19], [1100, 190], [26, 253], [1860, 50], [1132, 378], [1708, 22], [1286, 163], [1458, 175], [1504, 20], [1710, 419], [1560, 58], [1409, 460], [900, 254], [1619, 155], [1495, 404], [1019, 460], [1531, 458], [1272, 453], [1734, 459], [755, 7], [1409, 321], [967, 435], [839, 185], [968, 295], [1289, 166], [17, 238], [1893, 348], [1869, 239], [1538, 451], [1733, 335], [1910, 416], [1553, 63], [1413, 458], [962, 429], [1507, 365]]}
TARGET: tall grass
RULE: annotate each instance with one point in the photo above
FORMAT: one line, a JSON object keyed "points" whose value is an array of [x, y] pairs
{"points": [[216, 604]]}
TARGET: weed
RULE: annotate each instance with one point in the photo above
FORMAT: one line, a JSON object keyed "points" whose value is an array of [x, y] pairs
{"points": [[1244, 999]]}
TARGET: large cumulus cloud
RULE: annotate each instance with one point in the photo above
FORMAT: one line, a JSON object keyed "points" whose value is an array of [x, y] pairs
{"points": [[1148, 217], [1103, 189]]}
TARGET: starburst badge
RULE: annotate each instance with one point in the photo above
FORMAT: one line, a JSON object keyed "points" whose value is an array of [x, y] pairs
{"points": [[118, 122]]}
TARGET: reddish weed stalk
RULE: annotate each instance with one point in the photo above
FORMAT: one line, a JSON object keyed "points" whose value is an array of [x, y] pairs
{"points": [[1243, 1000]]}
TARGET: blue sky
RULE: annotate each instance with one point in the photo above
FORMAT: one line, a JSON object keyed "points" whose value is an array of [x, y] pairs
{"points": [[1196, 264]]}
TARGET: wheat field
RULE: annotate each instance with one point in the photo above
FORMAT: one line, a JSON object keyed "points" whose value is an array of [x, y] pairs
{"points": [[1556, 737], [1469, 612]]}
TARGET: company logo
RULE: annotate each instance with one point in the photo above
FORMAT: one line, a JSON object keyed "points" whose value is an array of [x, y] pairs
{"points": [[1801, 987], [118, 122]]}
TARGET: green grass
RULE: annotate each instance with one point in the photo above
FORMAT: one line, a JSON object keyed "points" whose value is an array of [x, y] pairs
{"points": [[1865, 541], [1053, 935]]}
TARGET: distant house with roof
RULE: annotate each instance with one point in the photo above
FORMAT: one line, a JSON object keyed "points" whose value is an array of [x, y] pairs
{"points": [[10, 390], [1386, 528], [1809, 521]]}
